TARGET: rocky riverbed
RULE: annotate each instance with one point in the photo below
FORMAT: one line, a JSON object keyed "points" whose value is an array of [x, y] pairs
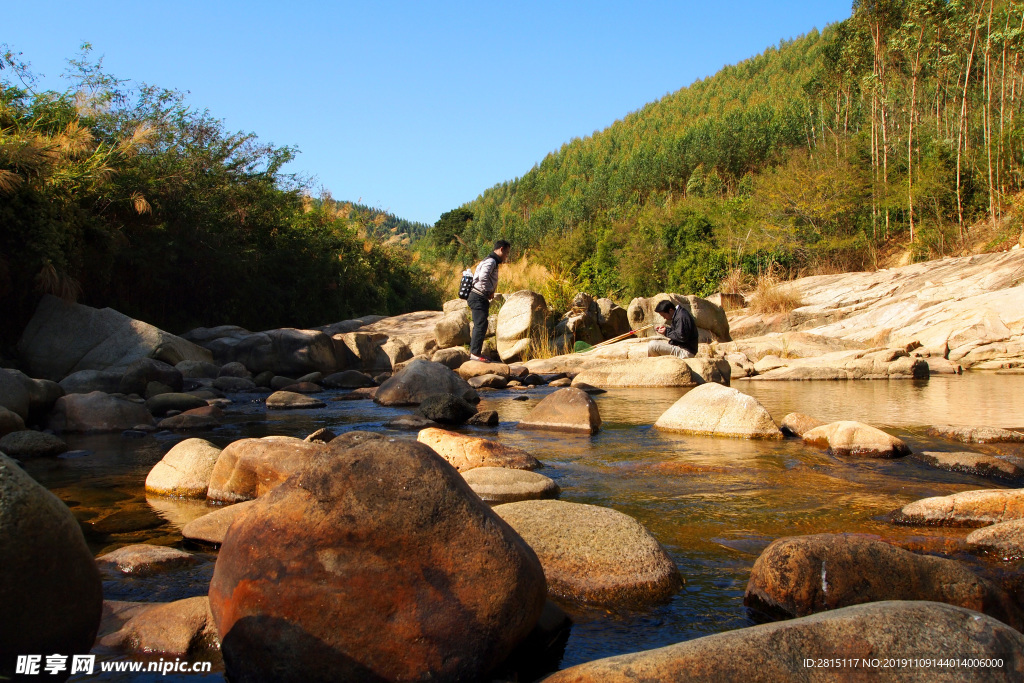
{"points": [[563, 510]]}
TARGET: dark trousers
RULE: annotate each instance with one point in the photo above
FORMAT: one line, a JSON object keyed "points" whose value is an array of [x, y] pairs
{"points": [[480, 307]]}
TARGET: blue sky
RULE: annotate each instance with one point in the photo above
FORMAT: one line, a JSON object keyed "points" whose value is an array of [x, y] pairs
{"points": [[412, 107]]}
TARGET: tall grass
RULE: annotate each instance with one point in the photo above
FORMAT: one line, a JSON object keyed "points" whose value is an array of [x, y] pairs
{"points": [[771, 295]]}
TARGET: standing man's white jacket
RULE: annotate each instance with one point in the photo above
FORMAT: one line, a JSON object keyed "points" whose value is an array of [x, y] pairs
{"points": [[485, 278]]}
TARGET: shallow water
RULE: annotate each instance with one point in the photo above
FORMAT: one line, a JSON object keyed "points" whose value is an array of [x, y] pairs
{"points": [[713, 503]]}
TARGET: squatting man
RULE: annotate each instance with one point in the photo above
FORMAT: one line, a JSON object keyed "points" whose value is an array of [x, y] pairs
{"points": [[681, 330]]}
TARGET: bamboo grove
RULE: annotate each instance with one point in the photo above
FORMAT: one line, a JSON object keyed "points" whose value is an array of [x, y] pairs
{"points": [[896, 129]]}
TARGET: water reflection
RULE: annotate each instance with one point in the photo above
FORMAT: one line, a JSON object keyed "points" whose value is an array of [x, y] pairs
{"points": [[714, 503]]}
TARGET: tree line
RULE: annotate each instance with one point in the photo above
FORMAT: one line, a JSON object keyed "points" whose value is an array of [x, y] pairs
{"points": [[120, 194]]}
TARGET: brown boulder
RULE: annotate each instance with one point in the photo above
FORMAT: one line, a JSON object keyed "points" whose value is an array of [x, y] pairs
{"points": [[967, 508], [143, 559], [197, 418], [248, 468], [798, 424], [566, 410], [1005, 539], [973, 463], [466, 452], [849, 438], [96, 412], [715, 410], [290, 400], [802, 575], [185, 470], [212, 527], [976, 434], [862, 633], [594, 554], [475, 368], [419, 380], [376, 562], [175, 629]]}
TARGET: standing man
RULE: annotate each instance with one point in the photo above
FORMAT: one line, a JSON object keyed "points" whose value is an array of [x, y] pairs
{"points": [[485, 283], [681, 332]]}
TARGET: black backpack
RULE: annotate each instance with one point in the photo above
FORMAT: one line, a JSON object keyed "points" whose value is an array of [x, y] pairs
{"points": [[466, 286]]}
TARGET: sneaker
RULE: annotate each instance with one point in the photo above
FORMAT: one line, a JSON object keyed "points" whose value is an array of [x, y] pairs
{"points": [[479, 359]]}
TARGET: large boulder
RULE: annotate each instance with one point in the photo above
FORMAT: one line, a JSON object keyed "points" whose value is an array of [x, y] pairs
{"points": [[707, 315], [983, 435], [566, 410], [10, 422], [287, 351], [446, 409], [420, 379], [453, 329], [802, 575], [967, 508], [145, 370], [521, 316], [185, 470], [96, 412], [161, 404], [348, 379], [376, 562], [659, 371], [28, 443], [13, 395], [864, 634], [453, 358], [1005, 539], [468, 452], [503, 485], [249, 468], [594, 554], [42, 393], [612, 318], [50, 588], [62, 338], [88, 381], [799, 424], [715, 410], [212, 527], [849, 438]]}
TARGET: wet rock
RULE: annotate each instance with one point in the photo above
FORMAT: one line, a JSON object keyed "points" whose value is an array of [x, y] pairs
{"points": [[972, 463], [364, 394], [264, 379], [453, 358], [474, 368], [485, 418], [211, 528], [197, 418], [48, 578], [1005, 539], [354, 438], [159, 405], [303, 388], [467, 452], [312, 378], [453, 329], [503, 485], [124, 521], [234, 385], [185, 470], [42, 393], [63, 338], [447, 597], [982, 435], [175, 629], [145, 370], [967, 508], [410, 423], [234, 369], [659, 371], [446, 409], [322, 435], [778, 651], [798, 424], [290, 400], [856, 439], [13, 395], [594, 554], [588, 388], [488, 382], [144, 559], [154, 389], [349, 379], [197, 369], [28, 443], [419, 380], [10, 421], [88, 381], [249, 468], [96, 412], [716, 410], [286, 351], [523, 313], [277, 382], [802, 575], [566, 410]]}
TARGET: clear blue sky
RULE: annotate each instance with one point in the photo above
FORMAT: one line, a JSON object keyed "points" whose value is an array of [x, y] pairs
{"points": [[412, 107]]}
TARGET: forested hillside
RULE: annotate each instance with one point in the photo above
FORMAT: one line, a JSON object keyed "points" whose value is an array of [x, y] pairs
{"points": [[121, 195], [897, 128]]}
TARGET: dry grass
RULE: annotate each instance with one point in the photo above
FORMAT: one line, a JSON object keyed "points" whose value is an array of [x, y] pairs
{"points": [[771, 295], [542, 345], [736, 282]]}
